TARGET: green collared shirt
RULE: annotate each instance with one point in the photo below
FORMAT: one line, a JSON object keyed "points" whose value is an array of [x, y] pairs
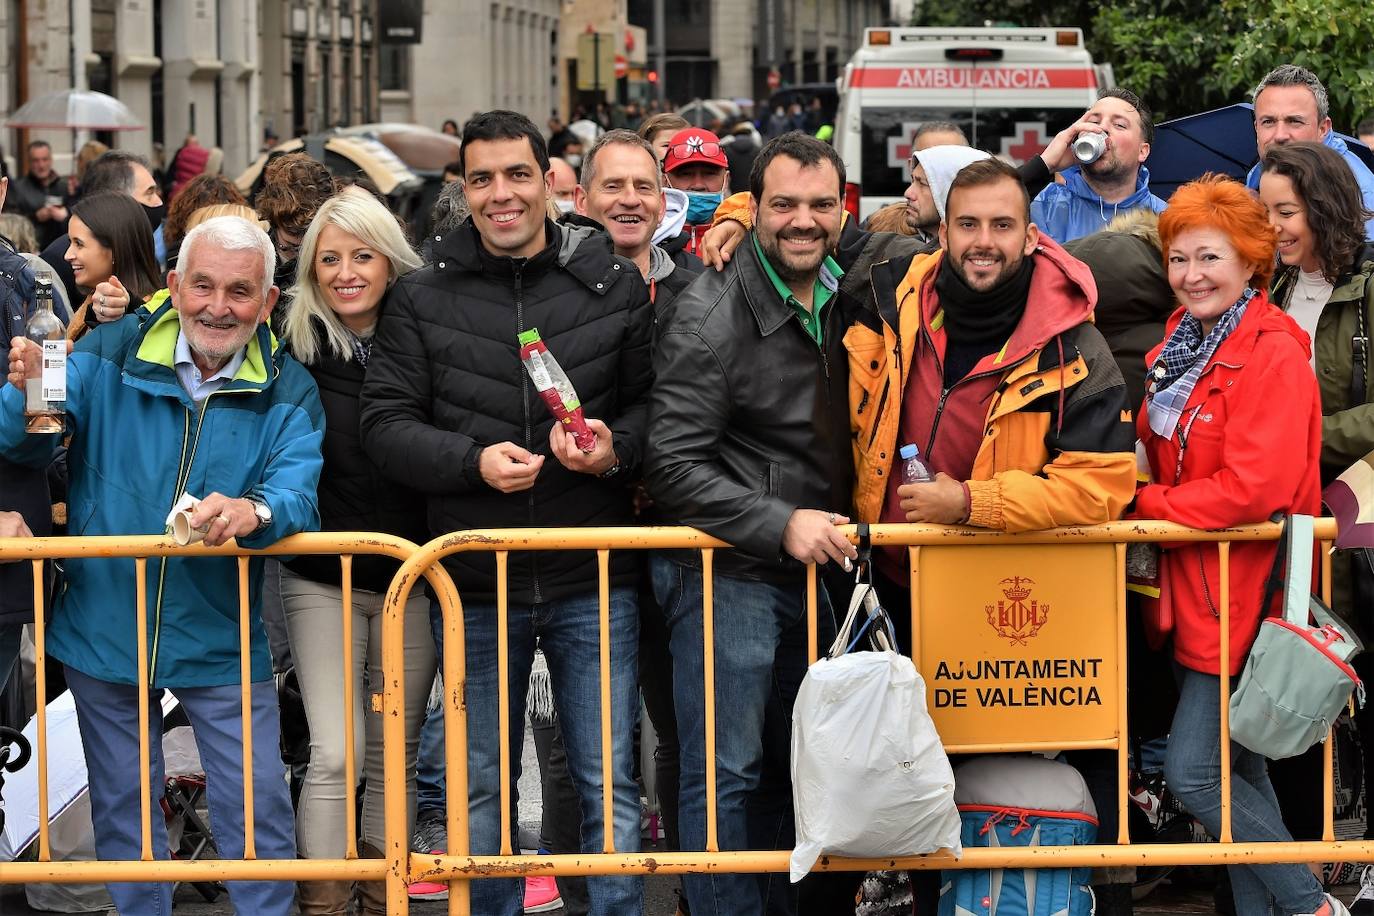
{"points": [[827, 283]]}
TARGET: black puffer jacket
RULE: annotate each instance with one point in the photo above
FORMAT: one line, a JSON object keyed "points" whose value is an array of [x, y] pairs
{"points": [[445, 380], [353, 493], [749, 419]]}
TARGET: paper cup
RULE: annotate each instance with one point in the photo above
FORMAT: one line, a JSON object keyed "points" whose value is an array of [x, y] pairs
{"points": [[183, 533]]}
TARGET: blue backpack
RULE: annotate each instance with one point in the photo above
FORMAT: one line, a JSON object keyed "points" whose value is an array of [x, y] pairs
{"points": [[1013, 801]]}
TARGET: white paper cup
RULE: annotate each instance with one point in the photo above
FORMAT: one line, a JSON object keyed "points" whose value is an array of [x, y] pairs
{"points": [[183, 533]]}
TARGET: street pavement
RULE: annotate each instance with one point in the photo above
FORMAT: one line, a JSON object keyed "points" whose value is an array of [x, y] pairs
{"points": [[660, 890]]}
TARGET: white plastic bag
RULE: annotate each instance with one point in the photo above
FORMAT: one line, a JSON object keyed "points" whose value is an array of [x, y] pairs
{"points": [[869, 775]]}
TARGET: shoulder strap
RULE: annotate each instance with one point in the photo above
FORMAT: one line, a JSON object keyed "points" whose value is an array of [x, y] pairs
{"points": [[1274, 583], [1359, 354], [1297, 596]]}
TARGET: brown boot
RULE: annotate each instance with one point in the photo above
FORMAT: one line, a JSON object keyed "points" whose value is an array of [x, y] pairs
{"points": [[371, 894], [324, 898]]}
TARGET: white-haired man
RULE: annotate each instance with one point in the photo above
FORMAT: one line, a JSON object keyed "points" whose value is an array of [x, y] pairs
{"points": [[196, 398]]}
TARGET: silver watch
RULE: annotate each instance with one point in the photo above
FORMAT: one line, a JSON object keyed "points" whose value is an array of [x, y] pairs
{"points": [[262, 511]]}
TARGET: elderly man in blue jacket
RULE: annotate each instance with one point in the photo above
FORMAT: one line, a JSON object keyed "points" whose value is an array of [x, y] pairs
{"points": [[195, 398], [1290, 106], [1116, 182]]}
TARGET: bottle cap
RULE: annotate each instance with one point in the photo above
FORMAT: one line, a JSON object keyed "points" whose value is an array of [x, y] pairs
{"points": [[909, 451]]}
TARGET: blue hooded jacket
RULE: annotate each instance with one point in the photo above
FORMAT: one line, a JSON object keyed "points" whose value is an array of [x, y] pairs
{"points": [[1363, 176], [138, 441], [1072, 210]]}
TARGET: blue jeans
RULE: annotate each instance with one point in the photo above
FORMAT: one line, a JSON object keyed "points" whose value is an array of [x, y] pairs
{"points": [[1192, 770], [760, 660], [108, 718], [568, 631], [429, 765]]}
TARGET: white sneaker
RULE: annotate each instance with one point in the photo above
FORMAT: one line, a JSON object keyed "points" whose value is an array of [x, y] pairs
{"points": [[1363, 904]]}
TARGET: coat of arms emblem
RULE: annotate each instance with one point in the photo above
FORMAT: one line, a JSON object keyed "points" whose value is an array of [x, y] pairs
{"points": [[1017, 617]]}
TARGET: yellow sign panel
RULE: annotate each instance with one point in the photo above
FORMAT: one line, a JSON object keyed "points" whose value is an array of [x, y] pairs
{"points": [[595, 61], [1018, 644]]}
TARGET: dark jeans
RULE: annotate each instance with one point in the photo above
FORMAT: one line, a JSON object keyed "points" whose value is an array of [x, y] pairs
{"points": [[560, 826], [760, 659], [568, 631]]}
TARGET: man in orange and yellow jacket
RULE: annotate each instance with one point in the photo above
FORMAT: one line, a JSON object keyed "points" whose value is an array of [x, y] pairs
{"points": [[984, 355]]}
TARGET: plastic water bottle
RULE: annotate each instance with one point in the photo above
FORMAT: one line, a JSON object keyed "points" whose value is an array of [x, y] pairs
{"points": [[914, 470]]}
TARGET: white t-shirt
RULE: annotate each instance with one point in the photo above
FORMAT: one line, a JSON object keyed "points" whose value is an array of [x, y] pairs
{"points": [[1311, 292]]}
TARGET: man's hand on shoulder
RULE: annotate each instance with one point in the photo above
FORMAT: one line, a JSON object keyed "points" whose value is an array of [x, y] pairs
{"points": [[599, 461], [811, 536], [509, 468], [227, 518], [719, 243]]}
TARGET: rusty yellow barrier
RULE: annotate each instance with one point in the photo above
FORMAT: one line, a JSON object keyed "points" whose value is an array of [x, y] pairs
{"points": [[459, 867], [400, 867], [351, 868]]}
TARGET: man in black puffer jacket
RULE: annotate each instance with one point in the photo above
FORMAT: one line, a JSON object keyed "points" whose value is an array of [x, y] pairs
{"points": [[449, 410]]}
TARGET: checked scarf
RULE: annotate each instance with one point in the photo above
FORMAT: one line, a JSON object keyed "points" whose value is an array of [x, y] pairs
{"points": [[1181, 362]]}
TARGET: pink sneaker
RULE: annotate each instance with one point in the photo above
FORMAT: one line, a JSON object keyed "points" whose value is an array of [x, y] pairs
{"points": [[541, 894], [428, 890]]}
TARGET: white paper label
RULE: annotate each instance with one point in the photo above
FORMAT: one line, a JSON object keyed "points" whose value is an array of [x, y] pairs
{"points": [[55, 370], [539, 372]]}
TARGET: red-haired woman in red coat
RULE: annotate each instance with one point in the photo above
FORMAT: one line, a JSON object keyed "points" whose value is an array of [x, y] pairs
{"points": [[1232, 430]]}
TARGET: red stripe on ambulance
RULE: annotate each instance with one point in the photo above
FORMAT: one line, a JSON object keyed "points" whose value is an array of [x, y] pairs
{"points": [[983, 77]]}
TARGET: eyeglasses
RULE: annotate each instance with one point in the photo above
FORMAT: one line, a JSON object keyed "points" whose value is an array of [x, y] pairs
{"points": [[683, 150]]}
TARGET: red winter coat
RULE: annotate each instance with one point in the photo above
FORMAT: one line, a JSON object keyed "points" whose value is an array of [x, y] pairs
{"points": [[189, 162], [1253, 450]]}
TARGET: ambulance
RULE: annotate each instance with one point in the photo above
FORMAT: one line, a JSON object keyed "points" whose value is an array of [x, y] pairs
{"points": [[1010, 90]]}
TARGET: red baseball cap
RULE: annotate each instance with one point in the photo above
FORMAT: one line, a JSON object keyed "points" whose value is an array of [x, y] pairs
{"points": [[691, 145]]}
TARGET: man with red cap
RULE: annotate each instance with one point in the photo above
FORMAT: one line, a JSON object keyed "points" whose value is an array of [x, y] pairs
{"points": [[695, 164]]}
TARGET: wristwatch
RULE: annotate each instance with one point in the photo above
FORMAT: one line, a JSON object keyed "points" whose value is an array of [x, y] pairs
{"points": [[262, 511], [612, 472]]}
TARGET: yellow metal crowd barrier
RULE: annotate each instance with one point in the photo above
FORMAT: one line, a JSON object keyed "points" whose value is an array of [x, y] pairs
{"points": [[949, 566], [148, 868]]}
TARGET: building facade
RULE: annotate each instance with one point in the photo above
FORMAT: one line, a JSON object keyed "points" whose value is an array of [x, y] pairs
{"points": [[472, 56], [224, 70], [728, 48]]}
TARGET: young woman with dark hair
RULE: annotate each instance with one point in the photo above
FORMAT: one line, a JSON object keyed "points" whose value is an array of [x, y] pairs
{"points": [[111, 254]]}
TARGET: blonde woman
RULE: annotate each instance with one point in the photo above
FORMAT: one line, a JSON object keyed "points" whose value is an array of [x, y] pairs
{"points": [[350, 256]]}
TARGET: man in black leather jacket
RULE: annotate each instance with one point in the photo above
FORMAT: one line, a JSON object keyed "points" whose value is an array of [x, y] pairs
{"points": [[749, 441]]}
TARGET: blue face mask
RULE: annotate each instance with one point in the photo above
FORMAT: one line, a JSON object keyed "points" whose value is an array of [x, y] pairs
{"points": [[701, 206]]}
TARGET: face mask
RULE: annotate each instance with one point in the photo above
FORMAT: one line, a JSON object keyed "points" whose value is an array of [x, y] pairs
{"points": [[155, 214], [564, 206], [701, 206], [574, 160]]}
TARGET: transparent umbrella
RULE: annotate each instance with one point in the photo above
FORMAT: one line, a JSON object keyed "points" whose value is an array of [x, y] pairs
{"points": [[75, 109]]}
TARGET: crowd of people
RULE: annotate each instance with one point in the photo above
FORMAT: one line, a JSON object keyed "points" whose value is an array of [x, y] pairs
{"points": [[1065, 348]]}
